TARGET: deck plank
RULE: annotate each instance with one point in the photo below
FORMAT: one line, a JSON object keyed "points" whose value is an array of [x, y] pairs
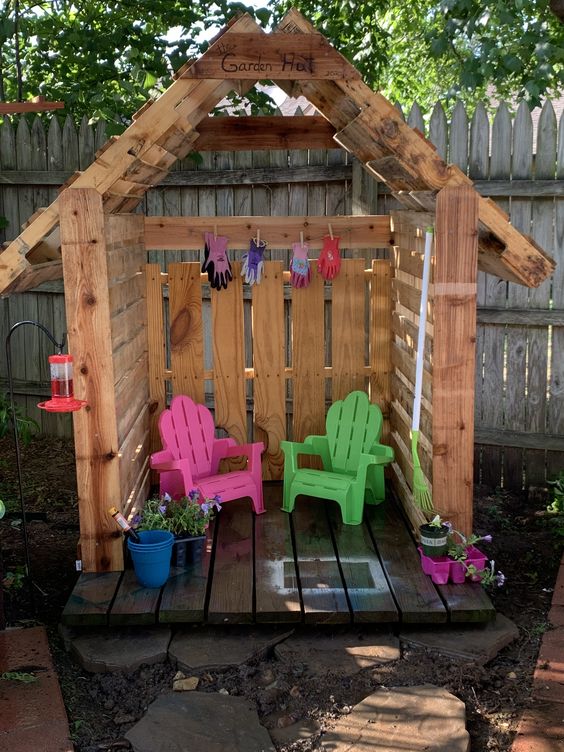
{"points": [[184, 595], [415, 594], [90, 599], [231, 596], [134, 604], [276, 579], [467, 603], [323, 594], [365, 581]]}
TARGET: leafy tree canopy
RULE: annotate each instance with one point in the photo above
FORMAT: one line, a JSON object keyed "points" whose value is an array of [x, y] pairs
{"points": [[428, 50], [104, 59]]}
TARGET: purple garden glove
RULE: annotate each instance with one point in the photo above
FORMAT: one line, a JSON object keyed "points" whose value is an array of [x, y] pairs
{"points": [[216, 261], [300, 273], [253, 262]]}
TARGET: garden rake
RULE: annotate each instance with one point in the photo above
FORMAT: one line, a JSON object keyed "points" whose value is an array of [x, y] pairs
{"points": [[421, 490]]}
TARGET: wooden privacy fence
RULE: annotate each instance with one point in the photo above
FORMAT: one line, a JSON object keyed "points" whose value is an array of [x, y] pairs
{"points": [[514, 158], [287, 349]]}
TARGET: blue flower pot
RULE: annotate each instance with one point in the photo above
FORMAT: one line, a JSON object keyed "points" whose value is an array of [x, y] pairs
{"points": [[151, 557]]}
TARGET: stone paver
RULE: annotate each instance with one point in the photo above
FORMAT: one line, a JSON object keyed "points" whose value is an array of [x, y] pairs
{"points": [[212, 648], [343, 654], [123, 649], [548, 681], [32, 715], [402, 719], [541, 729], [475, 644], [302, 729], [200, 722]]}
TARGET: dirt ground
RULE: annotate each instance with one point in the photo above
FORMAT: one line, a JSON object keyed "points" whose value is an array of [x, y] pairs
{"points": [[101, 707]]}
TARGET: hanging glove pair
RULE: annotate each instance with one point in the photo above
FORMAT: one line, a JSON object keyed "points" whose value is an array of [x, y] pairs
{"points": [[253, 263], [216, 261], [328, 263]]}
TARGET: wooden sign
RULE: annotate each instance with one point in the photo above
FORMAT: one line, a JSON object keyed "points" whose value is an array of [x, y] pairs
{"points": [[273, 56]]}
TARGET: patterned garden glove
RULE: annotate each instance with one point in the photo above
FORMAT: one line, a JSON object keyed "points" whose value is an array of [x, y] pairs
{"points": [[300, 273], [329, 261], [216, 261], [253, 262]]}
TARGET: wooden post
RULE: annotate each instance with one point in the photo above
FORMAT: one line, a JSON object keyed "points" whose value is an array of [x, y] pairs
{"points": [[454, 353], [87, 305]]}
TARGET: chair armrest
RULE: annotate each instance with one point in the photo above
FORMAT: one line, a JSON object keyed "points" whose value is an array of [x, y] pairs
{"points": [[292, 449], [182, 466], [218, 449], [383, 450], [321, 447], [164, 455], [369, 459]]}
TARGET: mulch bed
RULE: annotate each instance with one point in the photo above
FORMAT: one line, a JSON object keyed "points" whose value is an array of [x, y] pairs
{"points": [[101, 707]]}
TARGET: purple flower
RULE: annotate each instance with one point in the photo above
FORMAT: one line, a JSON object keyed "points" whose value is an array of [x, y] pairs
{"points": [[205, 507], [162, 508], [136, 520], [500, 579], [167, 498], [486, 538], [194, 495]]}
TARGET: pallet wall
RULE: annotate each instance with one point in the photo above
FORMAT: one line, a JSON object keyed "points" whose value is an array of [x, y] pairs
{"points": [[271, 358], [409, 243]]}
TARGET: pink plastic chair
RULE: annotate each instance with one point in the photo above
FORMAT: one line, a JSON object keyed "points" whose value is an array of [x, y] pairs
{"points": [[191, 454]]}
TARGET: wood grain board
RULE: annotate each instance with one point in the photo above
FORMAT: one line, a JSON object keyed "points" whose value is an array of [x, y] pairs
{"points": [[348, 330], [276, 578], [231, 596], [269, 418], [186, 330]]}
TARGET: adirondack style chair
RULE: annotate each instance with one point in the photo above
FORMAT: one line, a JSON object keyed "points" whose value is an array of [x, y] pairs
{"points": [[353, 460], [191, 454]]}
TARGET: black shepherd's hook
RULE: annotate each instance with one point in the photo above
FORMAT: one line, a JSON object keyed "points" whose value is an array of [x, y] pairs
{"points": [[59, 347]]}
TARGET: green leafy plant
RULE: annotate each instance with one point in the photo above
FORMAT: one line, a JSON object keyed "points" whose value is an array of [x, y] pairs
{"points": [[555, 510], [189, 515], [14, 580], [26, 426], [19, 676]]}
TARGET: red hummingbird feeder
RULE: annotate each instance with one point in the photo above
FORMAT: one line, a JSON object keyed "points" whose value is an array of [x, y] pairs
{"points": [[62, 390]]}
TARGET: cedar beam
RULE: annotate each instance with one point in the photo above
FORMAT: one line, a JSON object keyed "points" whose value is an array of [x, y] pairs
{"points": [[454, 354], [187, 233], [264, 132], [12, 108], [243, 55], [87, 305]]}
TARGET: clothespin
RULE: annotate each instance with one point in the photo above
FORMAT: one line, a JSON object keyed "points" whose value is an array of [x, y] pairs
{"points": [[215, 232], [330, 231], [302, 239]]}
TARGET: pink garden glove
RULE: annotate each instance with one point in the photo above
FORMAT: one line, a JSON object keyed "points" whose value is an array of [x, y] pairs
{"points": [[216, 260], [300, 273], [329, 261]]}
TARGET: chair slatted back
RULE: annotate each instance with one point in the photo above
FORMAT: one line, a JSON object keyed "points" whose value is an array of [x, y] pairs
{"points": [[187, 431], [353, 426]]}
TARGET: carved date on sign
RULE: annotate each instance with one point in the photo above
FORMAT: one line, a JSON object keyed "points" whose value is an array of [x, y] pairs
{"points": [[255, 56]]}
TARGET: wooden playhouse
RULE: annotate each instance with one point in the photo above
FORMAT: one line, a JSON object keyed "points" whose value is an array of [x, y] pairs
{"points": [[120, 330]]}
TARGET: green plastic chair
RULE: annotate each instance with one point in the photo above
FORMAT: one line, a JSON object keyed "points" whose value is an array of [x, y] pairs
{"points": [[353, 460]]}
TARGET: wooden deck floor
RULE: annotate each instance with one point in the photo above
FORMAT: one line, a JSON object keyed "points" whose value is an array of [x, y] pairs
{"points": [[279, 568]]}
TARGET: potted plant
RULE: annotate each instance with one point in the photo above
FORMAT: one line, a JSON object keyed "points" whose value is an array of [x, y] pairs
{"points": [[187, 519], [434, 537], [462, 560]]}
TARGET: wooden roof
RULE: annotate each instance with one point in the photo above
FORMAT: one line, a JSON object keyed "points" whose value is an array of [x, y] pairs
{"points": [[365, 123]]}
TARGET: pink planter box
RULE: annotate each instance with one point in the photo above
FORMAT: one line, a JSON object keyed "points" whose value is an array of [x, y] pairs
{"points": [[443, 569]]}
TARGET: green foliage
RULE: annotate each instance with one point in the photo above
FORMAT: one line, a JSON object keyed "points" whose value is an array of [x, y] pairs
{"points": [[19, 676], [104, 59], [14, 580], [185, 516], [425, 51], [26, 426], [555, 509]]}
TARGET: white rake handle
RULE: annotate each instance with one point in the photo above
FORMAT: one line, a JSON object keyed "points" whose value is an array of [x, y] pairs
{"points": [[421, 334]]}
